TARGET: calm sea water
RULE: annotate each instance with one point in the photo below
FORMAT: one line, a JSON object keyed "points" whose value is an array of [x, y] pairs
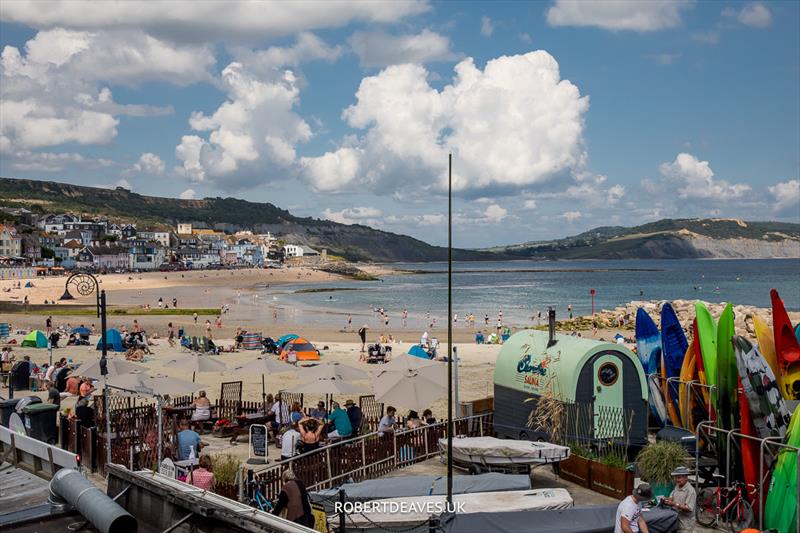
{"points": [[520, 289]]}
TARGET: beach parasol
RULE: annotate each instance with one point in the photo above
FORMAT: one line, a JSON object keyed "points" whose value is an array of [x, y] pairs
{"points": [[411, 382], [196, 363], [264, 365], [115, 367], [328, 386], [159, 385], [333, 370]]}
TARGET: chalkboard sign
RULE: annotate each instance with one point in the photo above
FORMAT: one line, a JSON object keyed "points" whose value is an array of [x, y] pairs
{"points": [[258, 440]]}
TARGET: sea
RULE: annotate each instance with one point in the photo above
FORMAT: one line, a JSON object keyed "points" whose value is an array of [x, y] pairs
{"points": [[523, 289]]}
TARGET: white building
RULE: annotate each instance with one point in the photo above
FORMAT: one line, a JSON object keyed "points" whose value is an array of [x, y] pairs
{"points": [[293, 250], [10, 242], [185, 229], [161, 237]]}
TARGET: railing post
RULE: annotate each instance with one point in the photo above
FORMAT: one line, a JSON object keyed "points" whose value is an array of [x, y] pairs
{"points": [[363, 457], [328, 461], [427, 438], [394, 441]]}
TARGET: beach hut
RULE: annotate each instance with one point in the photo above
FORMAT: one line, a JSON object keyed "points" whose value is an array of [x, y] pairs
{"points": [[35, 339], [600, 375], [113, 341], [305, 350]]}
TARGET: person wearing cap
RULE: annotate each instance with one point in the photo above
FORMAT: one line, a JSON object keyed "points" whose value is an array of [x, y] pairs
{"points": [[629, 512], [682, 499], [362, 333]]}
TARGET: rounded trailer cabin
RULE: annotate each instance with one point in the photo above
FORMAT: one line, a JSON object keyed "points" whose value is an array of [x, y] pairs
{"points": [[603, 383]]}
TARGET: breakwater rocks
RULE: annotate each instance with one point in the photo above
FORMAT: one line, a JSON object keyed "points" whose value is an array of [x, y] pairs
{"points": [[623, 317], [347, 270]]}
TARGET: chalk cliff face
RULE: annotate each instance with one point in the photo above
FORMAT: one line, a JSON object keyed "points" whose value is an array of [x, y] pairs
{"points": [[672, 239]]}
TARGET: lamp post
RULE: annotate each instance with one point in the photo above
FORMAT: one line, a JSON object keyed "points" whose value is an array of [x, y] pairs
{"points": [[85, 283], [450, 351]]}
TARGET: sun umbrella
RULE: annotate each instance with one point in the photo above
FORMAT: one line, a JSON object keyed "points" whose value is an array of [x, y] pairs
{"points": [[328, 386], [264, 365], [411, 382], [115, 367], [158, 385], [333, 370]]}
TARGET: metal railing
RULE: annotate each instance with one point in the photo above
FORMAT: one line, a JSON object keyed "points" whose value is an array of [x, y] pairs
{"points": [[365, 457]]}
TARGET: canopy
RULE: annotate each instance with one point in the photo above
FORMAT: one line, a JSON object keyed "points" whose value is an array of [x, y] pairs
{"points": [[286, 338], [83, 331], [113, 341], [411, 382], [197, 363], [334, 370], [35, 339], [418, 351], [265, 365], [328, 386], [305, 350], [115, 367], [145, 385]]}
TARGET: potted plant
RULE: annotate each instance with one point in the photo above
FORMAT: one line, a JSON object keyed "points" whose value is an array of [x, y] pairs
{"points": [[657, 461]]}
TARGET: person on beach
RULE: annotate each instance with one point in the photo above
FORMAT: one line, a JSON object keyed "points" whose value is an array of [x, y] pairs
{"points": [[629, 512], [174, 303], [405, 318], [86, 388], [289, 442], [202, 477], [387, 423], [49, 325], [349, 322], [53, 396], [73, 385], [319, 412], [280, 411], [362, 333], [683, 499], [171, 335], [427, 417], [310, 434], [202, 411], [208, 327], [339, 420], [194, 316], [160, 302], [486, 319], [355, 415], [296, 414], [188, 440], [413, 421], [84, 412], [294, 498]]}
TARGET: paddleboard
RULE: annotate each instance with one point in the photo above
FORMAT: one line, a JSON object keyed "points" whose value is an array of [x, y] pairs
{"points": [[780, 512], [768, 411], [673, 351], [766, 345], [727, 373], [648, 348], [707, 337], [749, 447], [787, 349], [687, 395], [701, 371]]}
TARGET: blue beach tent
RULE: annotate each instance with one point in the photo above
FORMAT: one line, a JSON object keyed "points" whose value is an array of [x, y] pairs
{"points": [[418, 351], [113, 341], [286, 338], [35, 339]]}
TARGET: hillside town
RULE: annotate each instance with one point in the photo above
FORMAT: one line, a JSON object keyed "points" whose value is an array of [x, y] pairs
{"points": [[69, 241]]}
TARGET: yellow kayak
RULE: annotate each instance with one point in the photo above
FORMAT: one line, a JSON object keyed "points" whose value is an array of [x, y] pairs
{"points": [[766, 345]]}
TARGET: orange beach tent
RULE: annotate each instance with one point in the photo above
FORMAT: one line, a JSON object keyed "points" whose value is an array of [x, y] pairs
{"points": [[305, 350]]}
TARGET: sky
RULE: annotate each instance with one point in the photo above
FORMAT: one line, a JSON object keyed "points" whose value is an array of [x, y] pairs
{"points": [[560, 115]]}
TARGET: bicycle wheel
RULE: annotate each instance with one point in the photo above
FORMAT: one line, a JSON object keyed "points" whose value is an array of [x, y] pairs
{"points": [[742, 518], [706, 507]]}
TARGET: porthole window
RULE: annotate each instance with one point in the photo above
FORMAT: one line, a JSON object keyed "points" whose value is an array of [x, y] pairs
{"points": [[608, 374]]}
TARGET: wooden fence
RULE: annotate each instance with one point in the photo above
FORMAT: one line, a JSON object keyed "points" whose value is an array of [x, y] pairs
{"points": [[365, 457]]}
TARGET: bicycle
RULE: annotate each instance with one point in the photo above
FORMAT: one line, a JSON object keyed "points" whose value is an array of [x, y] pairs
{"points": [[725, 504], [258, 499]]}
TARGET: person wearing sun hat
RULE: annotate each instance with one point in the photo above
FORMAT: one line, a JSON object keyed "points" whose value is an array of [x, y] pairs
{"points": [[682, 499], [629, 512]]}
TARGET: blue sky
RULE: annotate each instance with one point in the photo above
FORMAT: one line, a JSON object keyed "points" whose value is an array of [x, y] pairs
{"points": [[561, 115]]}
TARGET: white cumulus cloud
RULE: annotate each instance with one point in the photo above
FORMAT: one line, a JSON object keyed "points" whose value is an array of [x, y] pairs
{"points": [[378, 49], [354, 215], [695, 180], [189, 20], [618, 15], [251, 135], [495, 213], [571, 216], [754, 14], [307, 47], [188, 194], [148, 163], [786, 196], [512, 124]]}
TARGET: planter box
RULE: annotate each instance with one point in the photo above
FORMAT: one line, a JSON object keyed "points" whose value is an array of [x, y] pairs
{"points": [[576, 469], [609, 480]]}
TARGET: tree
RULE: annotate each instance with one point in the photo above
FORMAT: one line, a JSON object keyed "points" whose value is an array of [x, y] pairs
{"points": [[47, 253]]}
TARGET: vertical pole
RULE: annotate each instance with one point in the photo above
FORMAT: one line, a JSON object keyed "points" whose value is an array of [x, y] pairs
{"points": [[450, 330], [160, 427], [104, 370], [455, 371], [342, 525]]}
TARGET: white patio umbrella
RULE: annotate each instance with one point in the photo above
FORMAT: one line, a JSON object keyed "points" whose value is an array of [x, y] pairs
{"points": [[264, 365], [328, 386], [115, 367], [410, 382], [197, 363], [333, 370], [158, 385]]}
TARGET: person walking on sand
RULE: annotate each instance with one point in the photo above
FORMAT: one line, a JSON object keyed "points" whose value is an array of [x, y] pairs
{"points": [[362, 332], [174, 303], [171, 335], [349, 321], [219, 322], [405, 318], [208, 327], [49, 325], [194, 316]]}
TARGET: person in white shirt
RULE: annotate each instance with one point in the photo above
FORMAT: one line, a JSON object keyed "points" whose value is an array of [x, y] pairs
{"points": [[387, 423], [289, 442], [629, 512], [280, 411], [423, 341], [50, 370]]}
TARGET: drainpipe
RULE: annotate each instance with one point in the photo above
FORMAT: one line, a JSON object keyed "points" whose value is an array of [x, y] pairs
{"points": [[101, 511]]}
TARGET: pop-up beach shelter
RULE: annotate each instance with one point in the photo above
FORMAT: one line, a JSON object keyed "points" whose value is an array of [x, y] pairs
{"points": [[35, 339], [286, 338], [113, 341], [305, 350], [419, 351]]}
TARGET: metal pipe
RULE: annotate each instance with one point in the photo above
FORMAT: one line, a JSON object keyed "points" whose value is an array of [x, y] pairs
{"points": [[449, 330], [104, 513]]}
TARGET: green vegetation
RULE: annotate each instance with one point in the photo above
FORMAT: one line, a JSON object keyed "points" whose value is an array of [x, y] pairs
{"points": [[225, 468], [657, 461]]}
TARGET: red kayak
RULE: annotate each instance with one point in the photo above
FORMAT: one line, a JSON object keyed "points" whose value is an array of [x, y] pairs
{"points": [[787, 349]]}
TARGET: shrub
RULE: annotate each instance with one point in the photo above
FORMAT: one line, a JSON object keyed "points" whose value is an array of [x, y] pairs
{"points": [[226, 468], [657, 461]]}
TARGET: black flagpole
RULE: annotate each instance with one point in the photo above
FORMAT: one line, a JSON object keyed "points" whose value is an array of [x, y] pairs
{"points": [[450, 330]]}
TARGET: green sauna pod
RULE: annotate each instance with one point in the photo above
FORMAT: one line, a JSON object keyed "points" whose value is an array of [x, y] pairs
{"points": [[604, 381]]}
